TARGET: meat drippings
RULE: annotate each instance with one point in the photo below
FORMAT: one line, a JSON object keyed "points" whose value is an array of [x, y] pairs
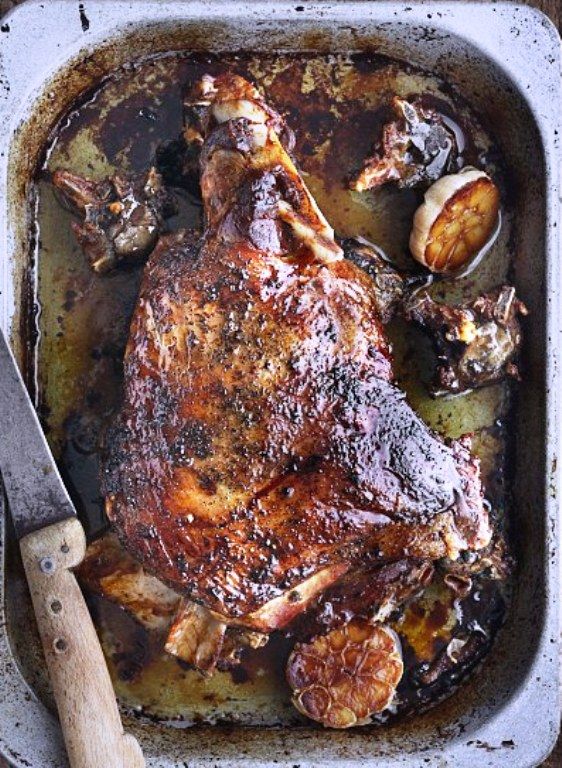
{"points": [[84, 325]]}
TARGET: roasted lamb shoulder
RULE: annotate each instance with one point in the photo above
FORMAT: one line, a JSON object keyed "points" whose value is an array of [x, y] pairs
{"points": [[262, 450]]}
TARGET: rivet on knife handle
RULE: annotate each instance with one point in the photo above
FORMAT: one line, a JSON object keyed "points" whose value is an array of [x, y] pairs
{"points": [[86, 703]]}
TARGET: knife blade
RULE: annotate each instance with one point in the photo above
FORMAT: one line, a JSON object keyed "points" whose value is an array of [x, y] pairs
{"points": [[36, 494], [52, 544]]}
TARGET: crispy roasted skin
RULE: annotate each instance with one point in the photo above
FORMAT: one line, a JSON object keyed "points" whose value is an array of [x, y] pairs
{"points": [[261, 444]]}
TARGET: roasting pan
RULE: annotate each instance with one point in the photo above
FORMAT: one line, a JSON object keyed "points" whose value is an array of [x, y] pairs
{"points": [[506, 60]]}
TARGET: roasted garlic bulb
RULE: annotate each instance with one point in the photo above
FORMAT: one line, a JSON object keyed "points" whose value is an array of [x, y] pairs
{"points": [[342, 678], [456, 220], [477, 343], [122, 216], [415, 149]]}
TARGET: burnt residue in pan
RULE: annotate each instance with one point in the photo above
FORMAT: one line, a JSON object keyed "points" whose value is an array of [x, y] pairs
{"points": [[337, 106]]}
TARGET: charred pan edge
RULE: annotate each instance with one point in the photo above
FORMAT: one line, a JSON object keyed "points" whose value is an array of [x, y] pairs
{"points": [[515, 64]]}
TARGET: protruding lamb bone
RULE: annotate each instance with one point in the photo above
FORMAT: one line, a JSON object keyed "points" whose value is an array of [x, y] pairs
{"points": [[200, 113], [324, 249], [110, 572], [416, 148], [123, 215], [200, 638], [372, 592], [476, 343], [245, 138], [193, 634], [196, 636], [390, 287]]}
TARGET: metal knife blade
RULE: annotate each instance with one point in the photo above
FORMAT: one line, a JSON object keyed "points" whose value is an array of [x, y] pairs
{"points": [[36, 494]]}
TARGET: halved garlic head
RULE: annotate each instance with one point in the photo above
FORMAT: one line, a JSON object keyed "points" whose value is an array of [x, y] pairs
{"points": [[342, 678], [456, 220]]}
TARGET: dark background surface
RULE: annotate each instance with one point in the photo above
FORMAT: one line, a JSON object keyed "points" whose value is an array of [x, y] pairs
{"points": [[553, 8]]}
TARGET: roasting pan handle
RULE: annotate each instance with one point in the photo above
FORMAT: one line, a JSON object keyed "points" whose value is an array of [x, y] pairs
{"points": [[86, 702]]}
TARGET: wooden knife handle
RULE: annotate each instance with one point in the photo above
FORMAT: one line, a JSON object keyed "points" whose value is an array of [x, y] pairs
{"points": [[86, 702]]}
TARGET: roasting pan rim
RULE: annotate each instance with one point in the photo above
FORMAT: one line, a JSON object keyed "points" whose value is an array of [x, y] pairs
{"points": [[28, 740]]}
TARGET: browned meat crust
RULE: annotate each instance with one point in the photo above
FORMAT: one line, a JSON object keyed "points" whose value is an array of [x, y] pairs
{"points": [[261, 444]]}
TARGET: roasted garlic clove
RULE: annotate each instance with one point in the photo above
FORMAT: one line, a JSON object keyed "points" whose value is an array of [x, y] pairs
{"points": [[456, 220], [342, 678]]}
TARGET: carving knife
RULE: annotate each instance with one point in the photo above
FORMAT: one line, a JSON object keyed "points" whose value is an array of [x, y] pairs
{"points": [[52, 542]]}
